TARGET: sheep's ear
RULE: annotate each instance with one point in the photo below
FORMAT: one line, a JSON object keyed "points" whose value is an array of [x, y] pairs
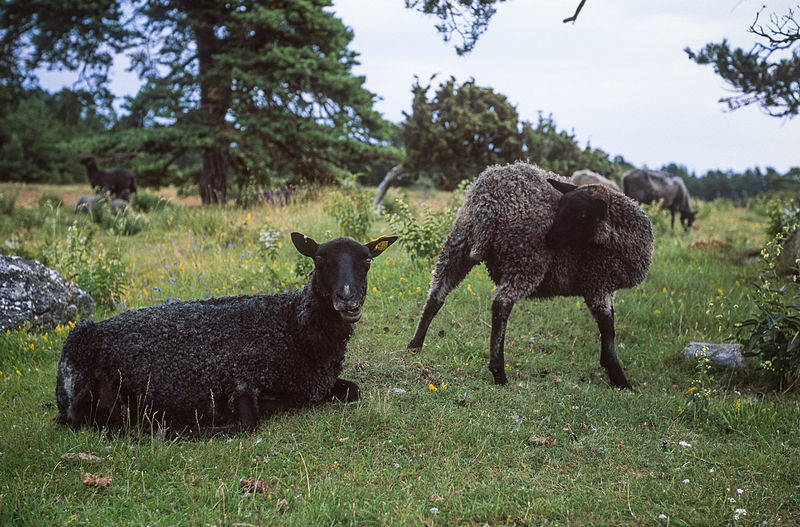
{"points": [[304, 244], [599, 208], [381, 244], [562, 186]]}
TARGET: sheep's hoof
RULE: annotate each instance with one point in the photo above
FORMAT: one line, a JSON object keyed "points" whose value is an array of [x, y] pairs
{"points": [[345, 391], [500, 378]]}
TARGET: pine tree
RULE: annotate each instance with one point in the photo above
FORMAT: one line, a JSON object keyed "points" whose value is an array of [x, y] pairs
{"points": [[261, 88]]}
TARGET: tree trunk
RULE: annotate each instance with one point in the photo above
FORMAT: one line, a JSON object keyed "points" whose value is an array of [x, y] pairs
{"points": [[393, 176], [214, 178], [215, 99]]}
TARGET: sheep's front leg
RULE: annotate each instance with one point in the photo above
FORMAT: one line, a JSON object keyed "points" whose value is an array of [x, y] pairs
{"points": [[603, 312], [345, 391], [501, 309]]}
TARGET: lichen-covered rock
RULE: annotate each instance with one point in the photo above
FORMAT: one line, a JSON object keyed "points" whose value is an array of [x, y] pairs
{"points": [[720, 355], [32, 292]]}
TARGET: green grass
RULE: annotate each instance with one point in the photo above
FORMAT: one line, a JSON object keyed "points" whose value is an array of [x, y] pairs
{"points": [[432, 441]]}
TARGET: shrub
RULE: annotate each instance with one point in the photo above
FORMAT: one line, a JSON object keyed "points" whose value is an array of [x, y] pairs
{"points": [[8, 202], [99, 272], [144, 201], [659, 218], [351, 207], [50, 201], [772, 334], [423, 238]]}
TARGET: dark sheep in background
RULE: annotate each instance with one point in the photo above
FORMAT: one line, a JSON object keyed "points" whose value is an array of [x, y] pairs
{"points": [[587, 177], [198, 365], [540, 237], [647, 186], [277, 197], [120, 182]]}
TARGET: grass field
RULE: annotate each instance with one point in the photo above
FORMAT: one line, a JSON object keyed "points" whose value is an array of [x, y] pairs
{"points": [[433, 441]]}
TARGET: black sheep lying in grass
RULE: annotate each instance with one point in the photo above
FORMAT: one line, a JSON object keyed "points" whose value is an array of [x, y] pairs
{"points": [[197, 366]]}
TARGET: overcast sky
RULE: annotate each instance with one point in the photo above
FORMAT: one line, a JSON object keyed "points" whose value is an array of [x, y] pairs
{"points": [[618, 78]]}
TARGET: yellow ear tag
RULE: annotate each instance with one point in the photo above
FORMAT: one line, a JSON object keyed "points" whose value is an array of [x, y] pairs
{"points": [[381, 246]]}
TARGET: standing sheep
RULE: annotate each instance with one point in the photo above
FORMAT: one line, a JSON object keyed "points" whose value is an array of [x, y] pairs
{"points": [[221, 361], [647, 186], [120, 182], [540, 237], [587, 177]]}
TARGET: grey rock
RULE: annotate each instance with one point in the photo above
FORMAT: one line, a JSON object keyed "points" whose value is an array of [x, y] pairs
{"points": [[721, 355], [32, 292]]}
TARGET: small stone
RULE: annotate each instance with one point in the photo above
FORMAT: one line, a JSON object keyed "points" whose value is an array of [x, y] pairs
{"points": [[721, 355]]}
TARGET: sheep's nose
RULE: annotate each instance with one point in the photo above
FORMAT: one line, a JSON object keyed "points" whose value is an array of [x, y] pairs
{"points": [[346, 294]]}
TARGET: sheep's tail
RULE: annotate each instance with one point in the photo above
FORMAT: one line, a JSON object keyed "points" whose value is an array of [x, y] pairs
{"points": [[74, 379]]}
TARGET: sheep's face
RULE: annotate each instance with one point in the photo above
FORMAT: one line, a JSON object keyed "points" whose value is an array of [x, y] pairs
{"points": [[340, 270], [579, 214]]}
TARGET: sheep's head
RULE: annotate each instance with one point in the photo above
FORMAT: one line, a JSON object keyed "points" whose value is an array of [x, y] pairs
{"points": [[340, 270], [580, 212]]}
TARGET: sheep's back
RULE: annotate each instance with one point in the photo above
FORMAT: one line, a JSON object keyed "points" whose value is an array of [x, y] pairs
{"points": [[192, 356], [508, 210]]}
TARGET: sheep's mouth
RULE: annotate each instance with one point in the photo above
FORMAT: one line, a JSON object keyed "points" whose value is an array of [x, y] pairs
{"points": [[349, 311], [350, 315]]}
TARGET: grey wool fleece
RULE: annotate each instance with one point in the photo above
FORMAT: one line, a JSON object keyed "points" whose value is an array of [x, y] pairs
{"points": [[505, 217]]}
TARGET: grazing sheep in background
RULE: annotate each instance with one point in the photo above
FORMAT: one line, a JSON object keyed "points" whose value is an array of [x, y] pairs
{"points": [[87, 202], [221, 361], [118, 206], [587, 177], [540, 237], [647, 186], [120, 182], [277, 197]]}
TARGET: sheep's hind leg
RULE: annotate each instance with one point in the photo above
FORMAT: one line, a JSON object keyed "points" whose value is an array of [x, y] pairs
{"points": [[453, 265], [432, 307], [501, 309], [603, 312]]}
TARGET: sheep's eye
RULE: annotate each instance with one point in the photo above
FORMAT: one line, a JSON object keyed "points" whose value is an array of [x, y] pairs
{"points": [[367, 263]]}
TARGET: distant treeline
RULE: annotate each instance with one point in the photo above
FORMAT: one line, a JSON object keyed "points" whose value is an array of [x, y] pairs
{"points": [[44, 135], [737, 186]]}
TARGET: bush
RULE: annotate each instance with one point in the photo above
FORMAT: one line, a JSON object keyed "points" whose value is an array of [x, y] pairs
{"points": [[98, 272], [351, 207], [144, 201], [8, 202], [772, 334], [423, 238]]}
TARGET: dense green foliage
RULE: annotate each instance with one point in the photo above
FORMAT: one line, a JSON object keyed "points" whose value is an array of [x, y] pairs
{"points": [[432, 442], [766, 75], [459, 130], [773, 333], [261, 90], [35, 127]]}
